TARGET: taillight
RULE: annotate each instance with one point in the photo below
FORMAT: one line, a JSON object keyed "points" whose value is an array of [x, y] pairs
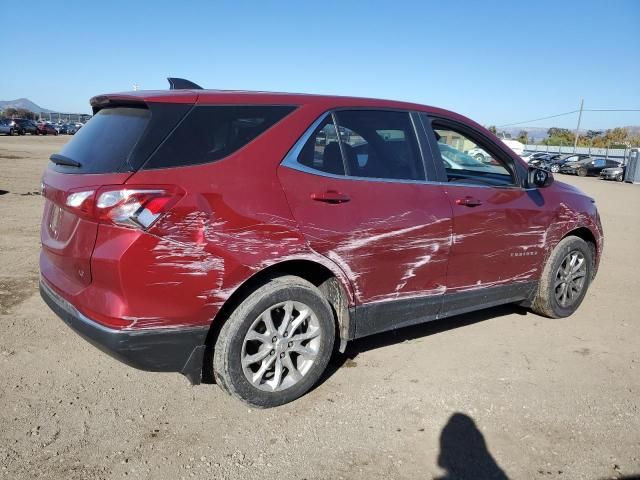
{"points": [[138, 207]]}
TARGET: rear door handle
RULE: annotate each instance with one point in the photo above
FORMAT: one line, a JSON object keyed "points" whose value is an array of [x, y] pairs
{"points": [[468, 202], [330, 196]]}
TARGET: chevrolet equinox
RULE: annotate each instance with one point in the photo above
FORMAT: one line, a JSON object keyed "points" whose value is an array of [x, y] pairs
{"points": [[241, 235]]}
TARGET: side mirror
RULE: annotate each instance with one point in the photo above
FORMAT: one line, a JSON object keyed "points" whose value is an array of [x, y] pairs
{"points": [[539, 178]]}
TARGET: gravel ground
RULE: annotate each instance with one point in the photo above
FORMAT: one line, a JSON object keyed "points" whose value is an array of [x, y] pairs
{"points": [[498, 393]]}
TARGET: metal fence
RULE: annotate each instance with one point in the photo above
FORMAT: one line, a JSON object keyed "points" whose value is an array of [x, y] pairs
{"points": [[614, 153], [63, 117]]}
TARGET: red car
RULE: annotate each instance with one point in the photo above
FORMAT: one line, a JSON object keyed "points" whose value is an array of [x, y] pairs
{"points": [[238, 235], [46, 129]]}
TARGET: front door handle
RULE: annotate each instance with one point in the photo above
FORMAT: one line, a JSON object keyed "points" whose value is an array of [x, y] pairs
{"points": [[330, 196], [468, 202]]}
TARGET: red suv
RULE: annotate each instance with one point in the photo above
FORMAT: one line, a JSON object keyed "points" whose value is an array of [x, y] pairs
{"points": [[245, 234]]}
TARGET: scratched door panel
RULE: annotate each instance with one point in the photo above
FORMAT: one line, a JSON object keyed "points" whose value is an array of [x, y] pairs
{"points": [[499, 241], [391, 239]]}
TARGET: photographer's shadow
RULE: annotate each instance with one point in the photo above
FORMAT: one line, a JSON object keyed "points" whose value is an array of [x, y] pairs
{"points": [[464, 454]]}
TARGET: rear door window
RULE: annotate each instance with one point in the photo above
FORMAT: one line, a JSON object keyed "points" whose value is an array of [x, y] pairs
{"points": [[210, 133], [105, 143], [380, 144]]}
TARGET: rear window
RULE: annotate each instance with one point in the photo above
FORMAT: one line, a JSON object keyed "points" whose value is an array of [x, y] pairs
{"points": [[106, 142], [210, 133]]}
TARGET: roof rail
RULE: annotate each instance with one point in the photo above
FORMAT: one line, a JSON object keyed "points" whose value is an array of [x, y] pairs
{"points": [[182, 84]]}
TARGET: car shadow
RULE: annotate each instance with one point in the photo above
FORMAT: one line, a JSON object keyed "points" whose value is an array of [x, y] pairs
{"points": [[405, 334]]}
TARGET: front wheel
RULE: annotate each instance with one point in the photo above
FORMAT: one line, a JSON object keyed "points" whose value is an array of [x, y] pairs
{"points": [[619, 177], [582, 172], [565, 279], [276, 344], [555, 168]]}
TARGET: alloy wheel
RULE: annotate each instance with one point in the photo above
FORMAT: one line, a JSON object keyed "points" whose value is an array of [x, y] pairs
{"points": [[570, 278], [281, 346]]}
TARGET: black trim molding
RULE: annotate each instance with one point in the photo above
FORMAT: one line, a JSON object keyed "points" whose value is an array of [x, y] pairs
{"points": [[372, 318]]}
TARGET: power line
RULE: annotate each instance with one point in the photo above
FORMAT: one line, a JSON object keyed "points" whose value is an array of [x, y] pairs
{"points": [[570, 113], [537, 119]]}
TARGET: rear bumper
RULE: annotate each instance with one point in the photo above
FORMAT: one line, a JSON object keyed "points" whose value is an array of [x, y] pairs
{"points": [[176, 349]]}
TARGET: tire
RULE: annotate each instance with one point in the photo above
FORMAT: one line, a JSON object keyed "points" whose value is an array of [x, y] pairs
{"points": [[619, 177], [233, 345], [479, 158], [546, 301], [555, 168], [11, 132], [582, 172]]}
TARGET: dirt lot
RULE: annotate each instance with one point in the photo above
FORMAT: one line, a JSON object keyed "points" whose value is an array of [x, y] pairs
{"points": [[502, 390]]}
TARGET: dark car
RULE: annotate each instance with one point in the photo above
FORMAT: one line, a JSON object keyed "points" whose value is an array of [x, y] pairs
{"points": [[556, 164], [533, 156], [588, 166], [47, 129], [613, 173], [238, 234], [68, 129], [545, 160], [22, 126]]}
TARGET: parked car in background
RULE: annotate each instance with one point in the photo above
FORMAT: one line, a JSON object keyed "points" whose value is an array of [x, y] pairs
{"points": [[155, 250], [556, 164], [587, 166], [613, 173], [68, 129], [46, 129], [544, 160], [516, 146], [479, 154], [22, 126], [5, 126]]}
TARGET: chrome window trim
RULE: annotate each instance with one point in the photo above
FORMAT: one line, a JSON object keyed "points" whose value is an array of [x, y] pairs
{"points": [[291, 161], [291, 158]]}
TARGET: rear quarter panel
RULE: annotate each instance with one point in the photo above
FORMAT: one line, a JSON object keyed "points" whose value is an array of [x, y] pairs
{"points": [[233, 222]]}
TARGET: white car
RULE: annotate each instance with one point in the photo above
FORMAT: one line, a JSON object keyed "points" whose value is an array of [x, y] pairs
{"points": [[479, 154], [514, 145]]}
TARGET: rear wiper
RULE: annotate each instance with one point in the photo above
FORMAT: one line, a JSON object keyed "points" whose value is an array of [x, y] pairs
{"points": [[63, 160]]}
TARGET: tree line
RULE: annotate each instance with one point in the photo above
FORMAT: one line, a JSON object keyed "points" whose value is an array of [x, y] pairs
{"points": [[611, 138], [11, 112]]}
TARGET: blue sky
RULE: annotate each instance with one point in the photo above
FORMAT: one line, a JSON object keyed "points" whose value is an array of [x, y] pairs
{"points": [[497, 62]]}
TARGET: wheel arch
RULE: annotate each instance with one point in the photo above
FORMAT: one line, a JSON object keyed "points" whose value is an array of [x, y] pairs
{"points": [[329, 282], [587, 235]]}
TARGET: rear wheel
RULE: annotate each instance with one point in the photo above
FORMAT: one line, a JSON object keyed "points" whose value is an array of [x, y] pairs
{"points": [[276, 343], [565, 279]]}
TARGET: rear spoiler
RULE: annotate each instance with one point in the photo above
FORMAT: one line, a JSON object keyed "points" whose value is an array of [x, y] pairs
{"points": [[182, 84], [141, 98]]}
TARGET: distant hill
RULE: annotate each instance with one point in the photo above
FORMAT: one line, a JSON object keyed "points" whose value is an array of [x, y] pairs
{"points": [[23, 103]]}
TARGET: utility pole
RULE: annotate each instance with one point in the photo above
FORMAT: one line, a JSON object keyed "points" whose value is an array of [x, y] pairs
{"points": [[575, 143]]}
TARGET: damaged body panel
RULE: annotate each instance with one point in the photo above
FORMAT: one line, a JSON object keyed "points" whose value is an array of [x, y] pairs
{"points": [[373, 202]]}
